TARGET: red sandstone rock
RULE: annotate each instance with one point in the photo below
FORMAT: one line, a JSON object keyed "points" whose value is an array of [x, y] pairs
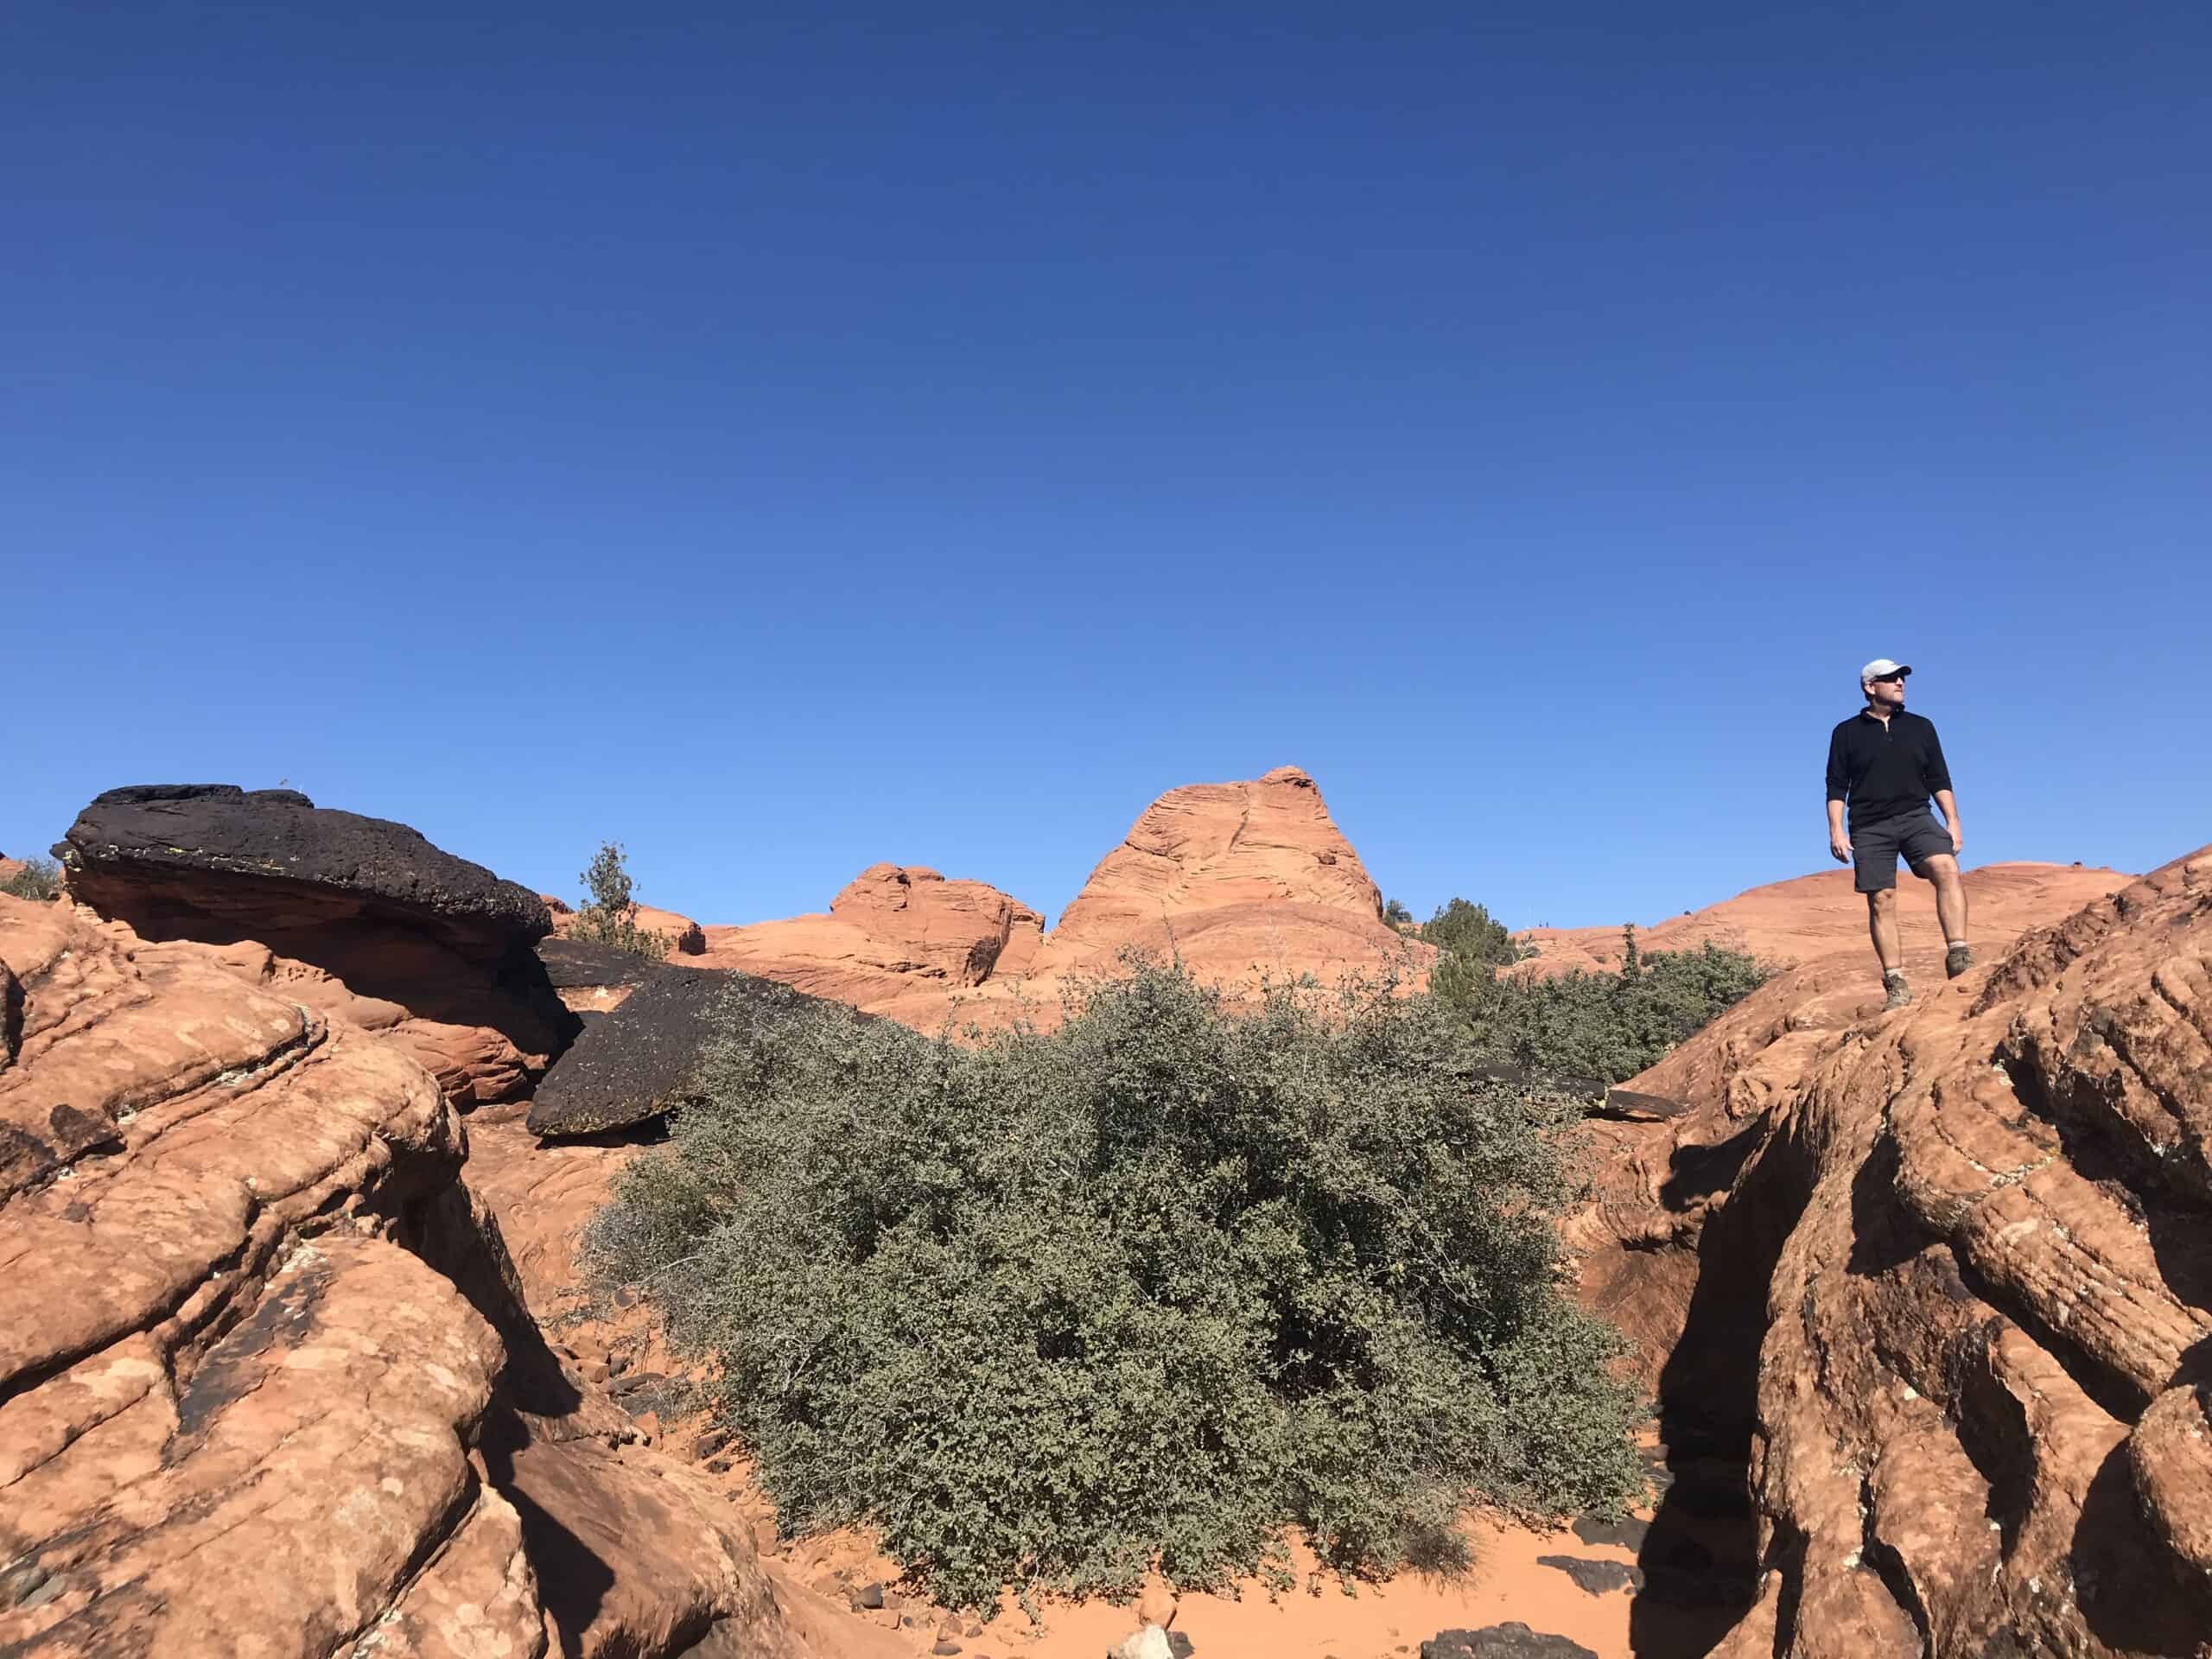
{"points": [[1813, 916], [267, 1381], [1948, 1326], [1243, 880], [891, 933]]}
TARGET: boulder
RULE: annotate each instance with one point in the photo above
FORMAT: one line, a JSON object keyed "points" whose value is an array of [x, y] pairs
{"points": [[1511, 1640], [643, 1058], [268, 1384], [591, 978], [1947, 1335], [358, 917]]}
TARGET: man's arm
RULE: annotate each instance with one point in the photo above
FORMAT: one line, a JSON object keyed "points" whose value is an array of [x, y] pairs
{"points": [[1839, 786], [1947, 805], [1938, 776]]}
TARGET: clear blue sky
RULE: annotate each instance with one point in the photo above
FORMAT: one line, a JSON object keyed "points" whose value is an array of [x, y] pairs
{"points": [[926, 433]]}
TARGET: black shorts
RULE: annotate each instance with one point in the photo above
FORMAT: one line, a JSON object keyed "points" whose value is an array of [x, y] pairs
{"points": [[1875, 847]]}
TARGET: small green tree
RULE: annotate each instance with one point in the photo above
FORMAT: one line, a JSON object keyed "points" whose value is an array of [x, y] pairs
{"points": [[610, 915], [38, 878], [1396, 915], [1468, 930]]}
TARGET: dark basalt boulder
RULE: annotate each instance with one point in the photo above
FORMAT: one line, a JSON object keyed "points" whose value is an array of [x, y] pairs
{"points": [[150, 848], [427, 946], [1596, 1578], [643, 1059], [1511, 1640], [582, 965]]}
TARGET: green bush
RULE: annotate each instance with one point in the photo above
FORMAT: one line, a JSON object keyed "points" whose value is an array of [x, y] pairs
{"points": [[38, 878], [1396, 915], [610, 915], [1054, 1307], [1467, 932], [1605, 1027]]}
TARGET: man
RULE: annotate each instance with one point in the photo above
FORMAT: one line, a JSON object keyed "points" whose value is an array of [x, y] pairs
{"points": [[1886, 763]]}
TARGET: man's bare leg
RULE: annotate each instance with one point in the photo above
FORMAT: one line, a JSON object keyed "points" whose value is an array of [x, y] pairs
{"points": [[1882, 924], [1943, 871]]}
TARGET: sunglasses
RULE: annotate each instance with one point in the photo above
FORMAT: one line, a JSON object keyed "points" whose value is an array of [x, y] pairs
{"points": [[1887, 679]]}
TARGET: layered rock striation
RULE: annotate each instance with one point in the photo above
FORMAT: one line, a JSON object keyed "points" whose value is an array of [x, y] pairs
{"points": [[358, 917], [1931, 1292], [268, 1384]]}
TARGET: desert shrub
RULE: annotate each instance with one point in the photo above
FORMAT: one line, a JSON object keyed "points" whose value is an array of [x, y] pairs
{"points": [[1599, 1026], [610, 915], [1051, 1307], [1396, 915], [38, 878]]}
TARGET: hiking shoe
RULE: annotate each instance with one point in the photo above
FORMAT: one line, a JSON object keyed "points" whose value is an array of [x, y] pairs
{"points": [[1900, 994], [1956, 961]]}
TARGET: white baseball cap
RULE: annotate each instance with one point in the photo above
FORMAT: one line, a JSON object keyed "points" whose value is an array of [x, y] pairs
{"points": [[1880, 669]]}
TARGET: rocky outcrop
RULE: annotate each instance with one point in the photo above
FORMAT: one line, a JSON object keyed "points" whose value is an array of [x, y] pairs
{"points": [[643, 1058], [360, 918], [1948, 1326], [895, 936], [267, 1382], [1243, 882], [1810, 917]]}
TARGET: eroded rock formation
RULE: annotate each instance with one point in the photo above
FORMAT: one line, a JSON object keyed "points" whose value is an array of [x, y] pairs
{"points": [[1243, 880], [895, 936], [360, 917], [1948, 1325], [268, 1384]]}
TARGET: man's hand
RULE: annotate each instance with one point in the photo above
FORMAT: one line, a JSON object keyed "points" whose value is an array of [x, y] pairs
{"points": [[1840, 846], [1958, 837]]}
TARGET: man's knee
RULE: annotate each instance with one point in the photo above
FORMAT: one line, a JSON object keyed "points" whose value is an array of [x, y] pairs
{"points": [[1942, 868], [1881, 902]]}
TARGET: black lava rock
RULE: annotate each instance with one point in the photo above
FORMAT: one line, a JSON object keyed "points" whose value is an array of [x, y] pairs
{"points": [[154, 854], [1629, 1533], [576, 964], [1512, 1640], [643, 1059], [1596, 1578]]}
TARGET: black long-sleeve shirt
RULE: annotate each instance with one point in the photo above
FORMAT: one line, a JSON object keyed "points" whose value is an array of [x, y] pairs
{"points": [[1885, 770]]}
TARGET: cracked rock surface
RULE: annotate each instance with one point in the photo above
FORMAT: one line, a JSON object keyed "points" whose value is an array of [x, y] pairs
{"points": [[1948, 1328], [267, 1383]]}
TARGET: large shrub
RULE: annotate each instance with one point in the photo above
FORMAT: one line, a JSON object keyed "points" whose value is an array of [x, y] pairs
{"points": [[1599, 1026], [610, 915], [1149, 1287]]}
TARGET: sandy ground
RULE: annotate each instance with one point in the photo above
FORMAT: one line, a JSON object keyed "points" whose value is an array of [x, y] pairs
{"points": [[543, 1195]]}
